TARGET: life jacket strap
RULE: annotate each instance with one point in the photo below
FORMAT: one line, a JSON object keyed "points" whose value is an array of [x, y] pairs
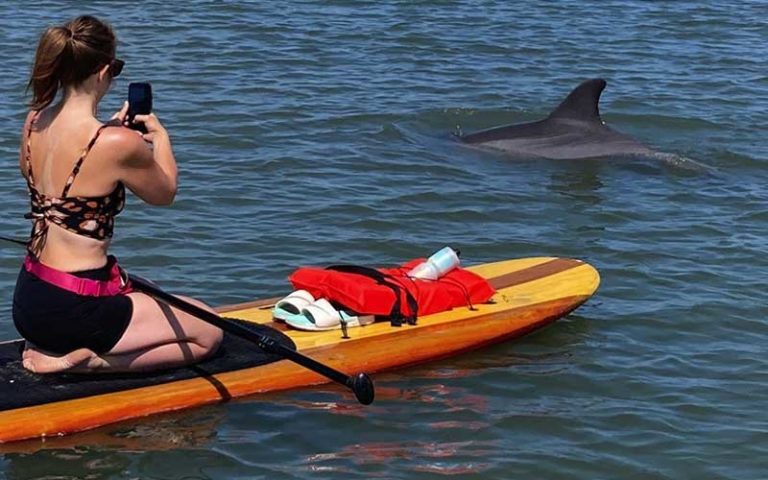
{"points": [[396, 316]]}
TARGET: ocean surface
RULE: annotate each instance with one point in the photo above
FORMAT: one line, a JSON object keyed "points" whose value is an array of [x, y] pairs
{"points": [[320, 132]]}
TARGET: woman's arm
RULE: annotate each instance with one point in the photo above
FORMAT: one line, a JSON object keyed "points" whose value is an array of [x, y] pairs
{"points": [[150, 173]]}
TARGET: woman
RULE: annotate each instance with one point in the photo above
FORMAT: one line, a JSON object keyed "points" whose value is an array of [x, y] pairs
{"points": [[71, 302]]}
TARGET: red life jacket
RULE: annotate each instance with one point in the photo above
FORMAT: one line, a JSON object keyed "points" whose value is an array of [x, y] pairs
{"points": [[389, 292]]}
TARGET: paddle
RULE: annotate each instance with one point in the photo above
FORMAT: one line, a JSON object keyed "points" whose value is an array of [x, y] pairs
{"points": [[361, 384]]}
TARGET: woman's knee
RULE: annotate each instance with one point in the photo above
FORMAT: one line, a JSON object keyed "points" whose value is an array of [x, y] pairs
{"points": [[210, 339]]}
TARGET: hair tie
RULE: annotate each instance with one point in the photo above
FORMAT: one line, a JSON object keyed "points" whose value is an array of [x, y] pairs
{"points": [[70, 33]]}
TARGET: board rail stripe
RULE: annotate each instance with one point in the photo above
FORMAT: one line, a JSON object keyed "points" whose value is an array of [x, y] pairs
{"points": [[552, 267]]}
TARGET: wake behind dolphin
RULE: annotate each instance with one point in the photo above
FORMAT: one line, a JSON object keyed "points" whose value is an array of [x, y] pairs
{"points": [[573, 130]]}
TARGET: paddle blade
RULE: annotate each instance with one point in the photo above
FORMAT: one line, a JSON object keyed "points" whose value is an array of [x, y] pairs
{"points": [[362, 385]]}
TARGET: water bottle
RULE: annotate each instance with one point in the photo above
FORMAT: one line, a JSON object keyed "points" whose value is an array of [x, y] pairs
{"points": [[440, 263]]}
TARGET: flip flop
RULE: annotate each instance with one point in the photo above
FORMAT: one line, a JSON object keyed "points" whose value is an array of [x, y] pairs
{"points": [[321, 316], [291, 306]]}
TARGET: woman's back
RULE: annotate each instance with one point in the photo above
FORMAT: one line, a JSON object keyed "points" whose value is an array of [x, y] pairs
{"points": [[57, 139]]}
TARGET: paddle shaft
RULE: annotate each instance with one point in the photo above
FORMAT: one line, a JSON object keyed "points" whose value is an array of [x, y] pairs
{"points": [[361, 385]]}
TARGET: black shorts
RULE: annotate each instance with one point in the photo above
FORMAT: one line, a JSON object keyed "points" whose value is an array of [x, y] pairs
{"points": [[60, 321]]}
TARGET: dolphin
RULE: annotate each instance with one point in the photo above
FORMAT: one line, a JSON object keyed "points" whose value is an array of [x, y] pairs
{"points": [[573, 130]]}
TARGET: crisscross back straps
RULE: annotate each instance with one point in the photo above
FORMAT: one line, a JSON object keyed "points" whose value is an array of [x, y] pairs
{"points": [[41, 204]]}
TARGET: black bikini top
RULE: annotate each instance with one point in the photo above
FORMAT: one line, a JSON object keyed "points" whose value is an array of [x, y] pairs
{"points": [[92, 217]]}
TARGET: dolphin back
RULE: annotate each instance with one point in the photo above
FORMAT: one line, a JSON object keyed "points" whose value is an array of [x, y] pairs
{"points": [[572, 130], [580, 105]]}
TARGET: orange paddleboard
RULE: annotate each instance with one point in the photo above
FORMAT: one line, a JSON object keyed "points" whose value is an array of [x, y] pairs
{"points": [[531, 293]]}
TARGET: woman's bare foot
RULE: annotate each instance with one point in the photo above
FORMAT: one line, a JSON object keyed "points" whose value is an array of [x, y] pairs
{"points": [[39, 361]]}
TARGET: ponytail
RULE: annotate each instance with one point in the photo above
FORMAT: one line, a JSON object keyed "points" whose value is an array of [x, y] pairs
{"points": [[45, 81], [68, 55]]}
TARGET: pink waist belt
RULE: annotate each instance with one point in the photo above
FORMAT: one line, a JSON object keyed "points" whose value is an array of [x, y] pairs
{"points": [[117, 284]]}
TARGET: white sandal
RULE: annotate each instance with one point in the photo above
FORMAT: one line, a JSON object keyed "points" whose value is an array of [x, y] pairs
{"points": [[321, 316], [292, 305]]}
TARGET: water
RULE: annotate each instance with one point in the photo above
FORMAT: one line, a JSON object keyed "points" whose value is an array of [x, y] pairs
{"points": [[320, 131]]}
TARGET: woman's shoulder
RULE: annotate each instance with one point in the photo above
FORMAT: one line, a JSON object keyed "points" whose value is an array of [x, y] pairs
{"points": [[121, 141], [118, 135]]}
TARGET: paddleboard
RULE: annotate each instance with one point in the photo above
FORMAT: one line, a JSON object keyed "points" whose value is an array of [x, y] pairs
{"points": [[531, 293]]}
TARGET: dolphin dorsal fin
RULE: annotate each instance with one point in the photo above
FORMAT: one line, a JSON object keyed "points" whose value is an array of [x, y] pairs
{"points": [[582, 102]]}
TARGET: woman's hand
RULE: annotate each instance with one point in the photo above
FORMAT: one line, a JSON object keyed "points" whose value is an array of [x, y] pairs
{"points": [[152, 124], [121, 115], [150, 121]]}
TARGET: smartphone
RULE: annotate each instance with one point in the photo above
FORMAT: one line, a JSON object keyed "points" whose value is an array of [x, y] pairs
{"points": [[139, 103]]}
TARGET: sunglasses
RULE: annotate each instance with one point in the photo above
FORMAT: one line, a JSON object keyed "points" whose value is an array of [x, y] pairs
{"points": [[115, 67]]}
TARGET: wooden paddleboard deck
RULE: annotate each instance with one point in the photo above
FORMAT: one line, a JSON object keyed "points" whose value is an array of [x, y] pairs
{"points": [[531, 293]]}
